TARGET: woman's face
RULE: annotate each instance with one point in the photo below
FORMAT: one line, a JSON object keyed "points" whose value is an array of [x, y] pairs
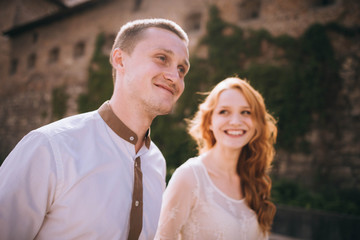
{"points": [[231, 121]]}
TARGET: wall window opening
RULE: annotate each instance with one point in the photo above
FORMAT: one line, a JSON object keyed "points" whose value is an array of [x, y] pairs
{"points": [[249, 9], [31, 61], [54, 55], [79, 49], [14, 66]]}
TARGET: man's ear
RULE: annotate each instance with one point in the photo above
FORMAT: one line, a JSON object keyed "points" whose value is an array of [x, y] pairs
{"points": [[117, 58]]}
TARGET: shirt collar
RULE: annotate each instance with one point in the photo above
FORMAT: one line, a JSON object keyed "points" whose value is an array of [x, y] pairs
{"points": [[119, 127]]}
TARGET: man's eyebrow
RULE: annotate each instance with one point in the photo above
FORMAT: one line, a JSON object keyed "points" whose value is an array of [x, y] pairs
{"points": [[186, 62]]}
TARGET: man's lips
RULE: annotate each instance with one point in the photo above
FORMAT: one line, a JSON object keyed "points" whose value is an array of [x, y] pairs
{"points": [[166, 87]]}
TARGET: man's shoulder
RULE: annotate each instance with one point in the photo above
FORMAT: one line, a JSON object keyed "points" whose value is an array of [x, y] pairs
{"points": [[155, 153], [68, 125]]}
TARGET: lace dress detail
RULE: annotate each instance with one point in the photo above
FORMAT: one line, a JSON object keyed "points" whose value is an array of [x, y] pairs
{"points": [[194, 208]]}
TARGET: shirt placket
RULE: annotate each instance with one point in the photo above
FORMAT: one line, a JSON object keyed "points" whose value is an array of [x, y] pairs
{"points": [[137, 203]]}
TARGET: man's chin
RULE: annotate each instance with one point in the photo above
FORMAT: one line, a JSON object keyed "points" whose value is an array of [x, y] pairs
{"points": [[164, 110]]}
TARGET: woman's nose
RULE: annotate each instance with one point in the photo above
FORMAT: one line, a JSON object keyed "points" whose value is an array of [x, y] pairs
{"points": [[236, 119]]}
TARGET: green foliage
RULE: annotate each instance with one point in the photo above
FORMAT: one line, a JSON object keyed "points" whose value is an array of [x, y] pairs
{"points": [[286, 192], [345, 31], [59, 102], [297, 84], [170, 136], [304, 84], [100, 86], [169, 132]]}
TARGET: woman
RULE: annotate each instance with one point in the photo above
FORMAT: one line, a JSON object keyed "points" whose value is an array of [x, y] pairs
{"points": [[224, 192]]}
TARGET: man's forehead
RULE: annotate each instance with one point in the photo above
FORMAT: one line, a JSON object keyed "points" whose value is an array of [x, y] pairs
{"points": [[158, 32], [152, 39], [162, 29]]}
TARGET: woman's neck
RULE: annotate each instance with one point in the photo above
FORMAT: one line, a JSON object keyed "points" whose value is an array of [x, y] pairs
{"points": [[223, 160]]}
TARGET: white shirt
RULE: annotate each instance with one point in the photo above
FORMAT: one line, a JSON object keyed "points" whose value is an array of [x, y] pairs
{"points": [[73, 179], [194, 208]]}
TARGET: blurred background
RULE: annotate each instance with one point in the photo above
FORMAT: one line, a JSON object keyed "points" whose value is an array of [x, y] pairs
{"points": [[302, 55]]}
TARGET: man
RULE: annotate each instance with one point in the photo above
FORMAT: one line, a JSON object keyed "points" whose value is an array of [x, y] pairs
{"points": [[81, 177]]}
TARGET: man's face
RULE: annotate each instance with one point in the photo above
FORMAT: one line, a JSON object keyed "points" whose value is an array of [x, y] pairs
{"points": [[154, 72]]}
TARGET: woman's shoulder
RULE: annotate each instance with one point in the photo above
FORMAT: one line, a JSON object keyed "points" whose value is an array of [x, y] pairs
{"points": [[187, 171], [191, 162], [190, 166]]}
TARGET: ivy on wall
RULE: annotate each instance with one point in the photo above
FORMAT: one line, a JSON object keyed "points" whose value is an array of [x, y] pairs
{"points": [[328, 198], [100, 85], [59, 102], [304, 84]]}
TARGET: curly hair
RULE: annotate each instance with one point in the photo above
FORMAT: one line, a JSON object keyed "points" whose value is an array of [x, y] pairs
{"points": [[255, 158]]}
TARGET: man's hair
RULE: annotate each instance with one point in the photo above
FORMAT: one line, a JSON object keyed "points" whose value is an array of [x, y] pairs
{"points": [[131, 33]]}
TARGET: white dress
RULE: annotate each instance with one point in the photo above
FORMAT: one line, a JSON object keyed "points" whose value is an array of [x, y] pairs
{"points": [[194, 208]]}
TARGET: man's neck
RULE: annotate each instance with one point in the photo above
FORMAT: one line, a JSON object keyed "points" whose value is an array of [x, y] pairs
{"points": [[137, 121]]}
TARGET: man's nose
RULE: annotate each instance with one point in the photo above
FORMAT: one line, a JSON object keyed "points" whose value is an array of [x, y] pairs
{"points": [[172, 74]]}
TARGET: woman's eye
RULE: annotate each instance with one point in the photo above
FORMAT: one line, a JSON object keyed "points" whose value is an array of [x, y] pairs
{"points": [[246, 112], [223, 111]]}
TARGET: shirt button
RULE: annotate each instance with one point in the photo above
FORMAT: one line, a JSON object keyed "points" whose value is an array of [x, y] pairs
{"points": [[131, 138], [137, 203]]}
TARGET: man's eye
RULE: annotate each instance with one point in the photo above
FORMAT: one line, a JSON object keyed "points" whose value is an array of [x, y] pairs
{"points": [[182, 70], [162, 58]]}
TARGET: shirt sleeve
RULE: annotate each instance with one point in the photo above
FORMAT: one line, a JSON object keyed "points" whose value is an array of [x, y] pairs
{"points": [[178, 200], [27, 187]]}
